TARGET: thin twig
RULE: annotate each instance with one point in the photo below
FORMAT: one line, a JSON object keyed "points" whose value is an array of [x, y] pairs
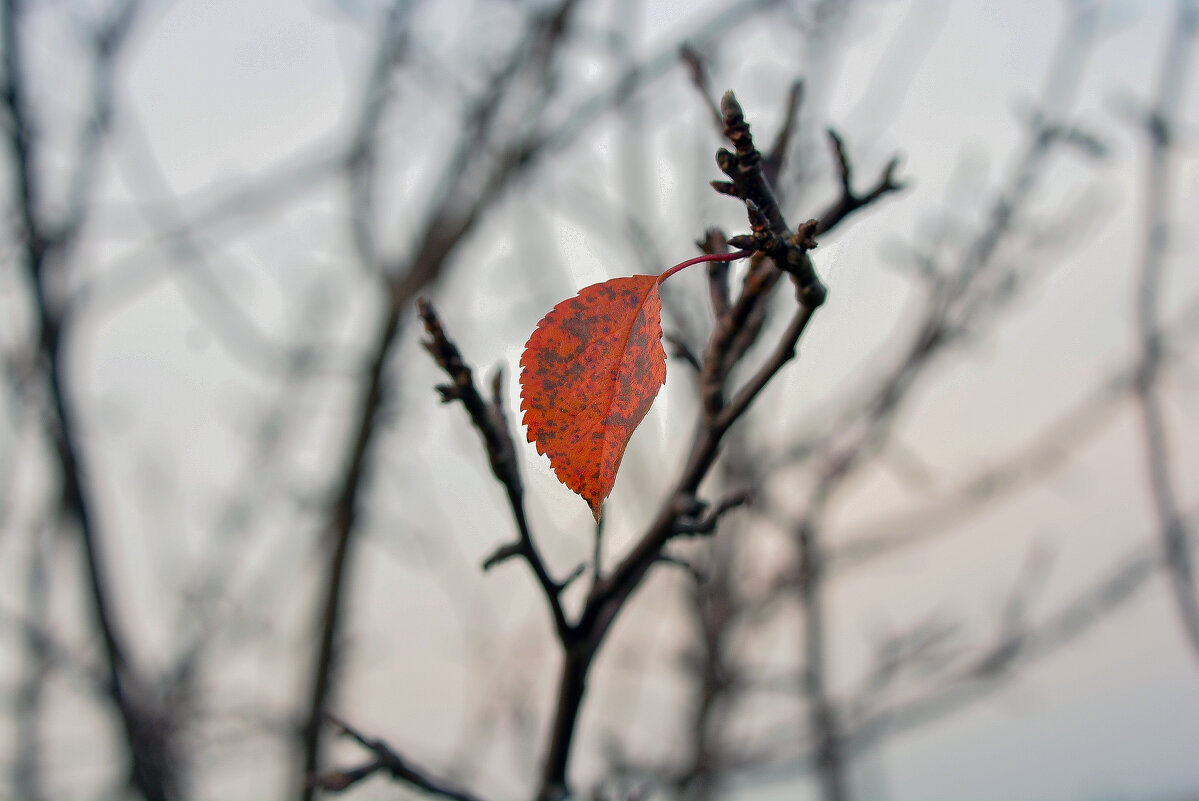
{"points": [[454, 213], [46, 244], [849, 201], [1047, 451], [1160, 129], [491, 423], [386, 760], [985, 669]]}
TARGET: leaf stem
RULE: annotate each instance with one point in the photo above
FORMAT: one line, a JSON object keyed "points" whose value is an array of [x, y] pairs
{"points": [[739, 254]]}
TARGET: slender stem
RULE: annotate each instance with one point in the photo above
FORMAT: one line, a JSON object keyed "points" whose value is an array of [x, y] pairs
{"points": [[343, 530], [784, 352], [1154, 261], [46, 243], [823, 718], [572, 686], [740, 254]]}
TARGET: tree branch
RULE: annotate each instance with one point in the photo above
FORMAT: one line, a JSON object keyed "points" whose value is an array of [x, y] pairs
{"points": [[491, 423], [779, 249], [386, 760], [450, 220], [1159, 127], [983, 670], [45, 245], [850, 201]]}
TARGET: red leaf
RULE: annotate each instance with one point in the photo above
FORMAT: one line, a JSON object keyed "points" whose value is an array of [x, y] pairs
{"points": [[589, 374]]}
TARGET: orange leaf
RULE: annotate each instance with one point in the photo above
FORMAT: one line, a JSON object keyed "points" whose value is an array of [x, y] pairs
{"points": [[589, 374]]}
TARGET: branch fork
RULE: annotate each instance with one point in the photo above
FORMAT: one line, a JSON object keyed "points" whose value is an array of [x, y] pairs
{"points": [[775, 249]]}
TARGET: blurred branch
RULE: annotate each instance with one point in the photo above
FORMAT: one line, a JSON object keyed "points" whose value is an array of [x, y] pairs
{"points": [[776, 160], [849, 201], [971, 293], [697, 70], [224, 581], [824, 718], [974, 673], [987, 667], [46, 245], [57, 655], [714, 241], [454, 212], [285, 181], [1159, 126], [31, 694], [343, 511], [360, 155], [714, 662], [388, 761], [242, 337], [106, 43], [714, 28], [736, 331], [864, 428], [131, 274], [1048, 450]]}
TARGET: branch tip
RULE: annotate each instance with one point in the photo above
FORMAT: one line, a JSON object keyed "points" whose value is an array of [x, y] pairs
{"points": [[724, 187], [579, 570], [503, 554], [730, 109]]}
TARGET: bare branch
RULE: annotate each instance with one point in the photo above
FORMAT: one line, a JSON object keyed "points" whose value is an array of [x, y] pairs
{"points": [[697, 69], [491, 423], [44, 247], [450, 220], [985, 669], [1159, 128], [386, 760], [1047, 451], [850, 201], [784, 352], [776, 160], [707, 522], [788, 252]]}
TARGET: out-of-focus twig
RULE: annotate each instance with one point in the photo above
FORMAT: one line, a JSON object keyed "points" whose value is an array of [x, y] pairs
{"points": [[495, 147], [1160, 128], [865, 427], [967, 676], [986, 668], [46, 242], [1047, 451], [386, 760], [28, 706]]}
